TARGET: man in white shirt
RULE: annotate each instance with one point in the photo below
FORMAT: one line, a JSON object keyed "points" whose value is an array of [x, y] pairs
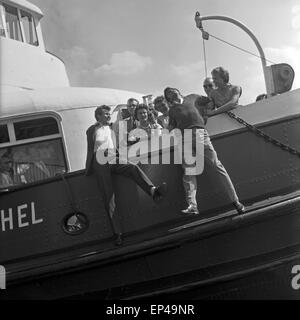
{"points": [[100, 137]]}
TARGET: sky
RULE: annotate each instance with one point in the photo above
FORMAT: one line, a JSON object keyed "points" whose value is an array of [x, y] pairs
{"points": [[144, 46]]}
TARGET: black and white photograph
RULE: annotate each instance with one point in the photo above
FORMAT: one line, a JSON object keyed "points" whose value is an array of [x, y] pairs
{"points": [[149, 151]]}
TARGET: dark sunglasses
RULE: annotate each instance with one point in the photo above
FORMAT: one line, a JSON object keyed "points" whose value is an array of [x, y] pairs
{"points": [[208, 86]]}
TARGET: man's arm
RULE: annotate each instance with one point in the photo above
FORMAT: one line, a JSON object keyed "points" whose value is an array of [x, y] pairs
{"points": [[203, 104], [172, 121], [231, 104], [89, 136], [90, 150]]}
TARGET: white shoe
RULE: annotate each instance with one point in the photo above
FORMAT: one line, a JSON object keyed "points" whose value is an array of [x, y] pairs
{"points": [[190, 210]]}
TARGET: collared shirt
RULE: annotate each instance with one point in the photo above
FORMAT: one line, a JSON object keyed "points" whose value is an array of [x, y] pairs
{"points": [[103, 138]]}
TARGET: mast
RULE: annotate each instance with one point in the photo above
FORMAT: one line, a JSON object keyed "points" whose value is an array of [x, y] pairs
{"points": [[266, 70]]}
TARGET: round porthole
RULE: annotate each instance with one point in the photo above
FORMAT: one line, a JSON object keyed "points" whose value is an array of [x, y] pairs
{"points": [[75, 223]]}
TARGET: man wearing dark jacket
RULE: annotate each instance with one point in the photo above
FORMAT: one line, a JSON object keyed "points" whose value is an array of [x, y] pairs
{"points": [[101, 140]]}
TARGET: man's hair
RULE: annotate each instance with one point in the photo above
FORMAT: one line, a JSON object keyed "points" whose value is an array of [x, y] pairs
{"points": [[208, 80], [224, 74], [99, 110], [261, 97], [131, 100], [159, 99], [167, 91]]}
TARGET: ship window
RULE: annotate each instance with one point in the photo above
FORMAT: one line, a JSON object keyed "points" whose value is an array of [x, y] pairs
{"points": [[2, 29], [35, 128], [12, 23], [33, 162], [29, 28], [32, 150], [4, 137]]}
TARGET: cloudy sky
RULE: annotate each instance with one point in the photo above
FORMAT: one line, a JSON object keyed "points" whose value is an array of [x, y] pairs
{"points": [[143, 45]]}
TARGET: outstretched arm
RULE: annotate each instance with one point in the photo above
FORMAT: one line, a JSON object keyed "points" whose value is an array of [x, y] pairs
{"points": [[231, 104]]}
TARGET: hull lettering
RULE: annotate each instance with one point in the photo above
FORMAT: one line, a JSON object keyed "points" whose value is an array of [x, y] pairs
{"points": [[22, 216]]}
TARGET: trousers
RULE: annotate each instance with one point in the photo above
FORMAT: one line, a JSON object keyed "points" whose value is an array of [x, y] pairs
{"points": [[217, 173], [132, 171]]}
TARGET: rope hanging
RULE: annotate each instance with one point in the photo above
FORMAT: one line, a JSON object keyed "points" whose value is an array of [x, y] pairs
{"points": [[205, 61]]}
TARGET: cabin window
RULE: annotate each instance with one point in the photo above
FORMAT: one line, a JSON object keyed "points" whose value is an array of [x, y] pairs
{"points": [[30, 151], [29, 28], [4, 133], [12, 23], [31, 162], [2, 28], [35, 128]]}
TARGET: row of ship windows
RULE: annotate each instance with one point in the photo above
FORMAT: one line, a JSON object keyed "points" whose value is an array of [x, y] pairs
{"points": [[30, 151], [18, 25]]}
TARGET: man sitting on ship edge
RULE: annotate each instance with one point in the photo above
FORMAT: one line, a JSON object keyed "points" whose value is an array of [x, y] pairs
{"points": [[225, 96], [100, 138]]}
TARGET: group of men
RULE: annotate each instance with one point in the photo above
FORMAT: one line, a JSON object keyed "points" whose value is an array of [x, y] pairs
{"points": [[176, 112]]}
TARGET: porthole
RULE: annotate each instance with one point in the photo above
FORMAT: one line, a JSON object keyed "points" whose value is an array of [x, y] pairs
{"points": [[75, 223]]}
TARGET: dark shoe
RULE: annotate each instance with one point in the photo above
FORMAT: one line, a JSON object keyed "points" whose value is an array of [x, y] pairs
{"points": [[160, 192], [118, 239], [190, 210], [240, 208]]}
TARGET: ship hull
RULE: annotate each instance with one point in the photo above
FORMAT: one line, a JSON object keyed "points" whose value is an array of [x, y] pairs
{"points": [[233, 257]]}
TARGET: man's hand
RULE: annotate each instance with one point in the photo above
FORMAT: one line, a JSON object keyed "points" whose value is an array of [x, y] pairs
{"points": [[209, 113], [133, 140]]}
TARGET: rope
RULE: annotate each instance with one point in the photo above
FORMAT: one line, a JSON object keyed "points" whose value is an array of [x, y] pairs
{"points": [[263, 135], [205, 61], [239, 48], [250, 127], [69, 193]]}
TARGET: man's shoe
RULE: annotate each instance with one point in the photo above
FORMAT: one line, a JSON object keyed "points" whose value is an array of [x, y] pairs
{"points": [[160, 192], [240, 208], [190, 210]]}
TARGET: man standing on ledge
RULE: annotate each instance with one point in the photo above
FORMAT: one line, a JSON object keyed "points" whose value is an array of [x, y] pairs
{"points": [[225, 96], [100, 138], [184, 115]]}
